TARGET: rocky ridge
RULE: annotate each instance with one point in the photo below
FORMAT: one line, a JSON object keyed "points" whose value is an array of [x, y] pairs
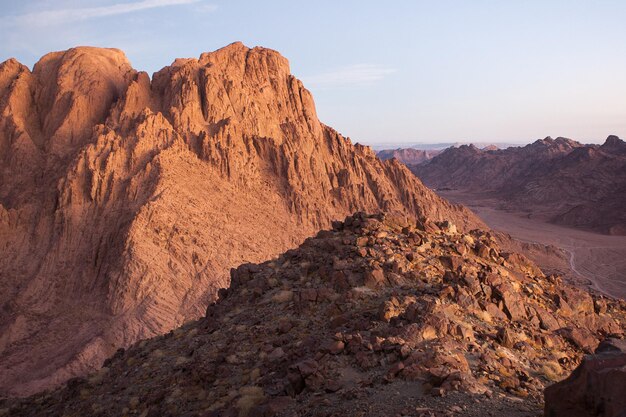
{"points": [[408, 156], [379, 316], [559, 180], [125, 199]]}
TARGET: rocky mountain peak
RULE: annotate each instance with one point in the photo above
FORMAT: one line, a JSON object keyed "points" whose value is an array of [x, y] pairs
{"points": [[614, 144], [560, 144], [70, 81], [124, 201], [9, 66]]}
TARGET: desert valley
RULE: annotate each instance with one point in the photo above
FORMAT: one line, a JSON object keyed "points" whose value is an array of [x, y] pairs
{"points": [[196, 242], [554, 192]]}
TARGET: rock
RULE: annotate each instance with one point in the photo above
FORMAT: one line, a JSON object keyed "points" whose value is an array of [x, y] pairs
{"points": [[579, 301], [599, 306], [336, 347], [482, 250], [340, 350], [307, 367], [452, 263], [495, 312], [595, 388], [513, 304], [250, 396], [282, 296], [611, 345], [505, 337], [547, 320], [389, 309], [276, 354], [308, 294], [278, 404], [580, 337], [395, 369], [448, 227], [374, 278]]}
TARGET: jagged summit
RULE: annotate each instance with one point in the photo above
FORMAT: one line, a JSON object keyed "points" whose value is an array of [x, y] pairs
{"points": [[560, 143], [382, 315], [125, 200], [614, 144]]}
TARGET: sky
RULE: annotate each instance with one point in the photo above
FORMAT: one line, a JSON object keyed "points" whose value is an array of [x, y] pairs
{"points": [[403, 71]]}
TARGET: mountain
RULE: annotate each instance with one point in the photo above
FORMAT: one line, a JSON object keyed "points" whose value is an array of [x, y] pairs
{"points": [[125, 199], [559, 179], [419, 155], [407, 156], [433, 146], [379, 316]]}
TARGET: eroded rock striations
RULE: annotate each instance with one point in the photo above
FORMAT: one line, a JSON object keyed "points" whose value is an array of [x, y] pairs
{"points": [[379, 316], [125, 200], [559, 180]]}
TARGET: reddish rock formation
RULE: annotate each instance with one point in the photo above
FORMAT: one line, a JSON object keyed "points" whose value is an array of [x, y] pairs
{"points": [[559, 179], [596, 388], [125, 200], [379, 316]]}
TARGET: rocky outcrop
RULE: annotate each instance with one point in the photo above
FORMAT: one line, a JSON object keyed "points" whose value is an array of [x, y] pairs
{"points": [[595, 388], [125, 200], [379, 316], [408, 156], [559, 180]]}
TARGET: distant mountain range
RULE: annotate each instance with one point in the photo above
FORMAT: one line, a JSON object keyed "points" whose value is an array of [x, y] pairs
{"points": [[418, 154], [560, 179], [439, 145], [408, 156]]}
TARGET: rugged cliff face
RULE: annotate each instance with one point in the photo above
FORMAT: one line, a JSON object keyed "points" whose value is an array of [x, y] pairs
{"points": [[124, 201], [559, 179], [377, 317]]}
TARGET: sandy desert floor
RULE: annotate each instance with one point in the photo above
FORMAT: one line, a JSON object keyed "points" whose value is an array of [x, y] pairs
{"points": [[598, 259]]}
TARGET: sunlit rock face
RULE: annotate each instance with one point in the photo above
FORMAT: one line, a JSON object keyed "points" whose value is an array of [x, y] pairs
{"points": [[125, 200]]}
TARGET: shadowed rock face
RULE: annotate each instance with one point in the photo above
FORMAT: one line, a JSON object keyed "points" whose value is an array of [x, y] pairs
{"points": [[124, 200], [379, 316], [559, 179], [595, 388]]}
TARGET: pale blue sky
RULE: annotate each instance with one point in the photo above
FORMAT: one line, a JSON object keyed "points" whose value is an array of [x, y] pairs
{"points": [[394, 71]]}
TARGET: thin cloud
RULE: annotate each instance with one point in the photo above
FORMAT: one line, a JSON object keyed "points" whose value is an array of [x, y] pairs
{"points": [[62, 16], [206, 8], [353, 75]]}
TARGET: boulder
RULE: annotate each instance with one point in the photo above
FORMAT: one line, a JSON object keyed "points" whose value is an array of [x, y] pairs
{"points": [[596, 388], [580, 337], [374, 278], [513, 303]]}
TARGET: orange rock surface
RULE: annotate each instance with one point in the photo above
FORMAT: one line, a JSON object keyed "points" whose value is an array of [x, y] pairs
{"points": [[125, 200]]}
